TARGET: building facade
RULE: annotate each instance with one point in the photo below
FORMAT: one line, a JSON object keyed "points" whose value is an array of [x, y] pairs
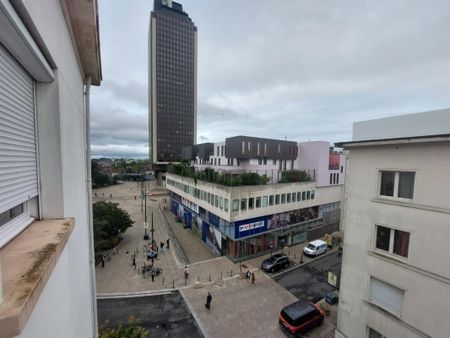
{"points": [[395, 279], [48, 61], [243, 221], [172, 82]]}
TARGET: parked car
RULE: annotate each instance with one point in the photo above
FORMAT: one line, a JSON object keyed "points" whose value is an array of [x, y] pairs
{"points": [[300, 317], [275, 263], [315, 248]]}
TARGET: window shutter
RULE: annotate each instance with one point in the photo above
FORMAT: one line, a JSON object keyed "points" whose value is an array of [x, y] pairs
{"points": [[387, 296], [18, 164]]}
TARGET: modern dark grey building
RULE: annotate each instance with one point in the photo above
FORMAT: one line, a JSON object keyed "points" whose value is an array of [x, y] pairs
{"points": [[172, 82]]}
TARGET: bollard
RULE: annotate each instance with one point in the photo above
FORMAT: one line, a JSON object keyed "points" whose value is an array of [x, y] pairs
{"points": [[198, 278], [163, 280], [173, 284], [210, 278], [231, 273]]}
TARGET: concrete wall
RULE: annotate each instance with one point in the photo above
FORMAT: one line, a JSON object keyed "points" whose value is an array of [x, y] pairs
{"points": [[427, 123], [65, 307], [425, 274]]}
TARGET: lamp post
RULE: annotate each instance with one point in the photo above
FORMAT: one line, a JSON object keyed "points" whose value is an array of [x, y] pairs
{"points": [[145, 214]]}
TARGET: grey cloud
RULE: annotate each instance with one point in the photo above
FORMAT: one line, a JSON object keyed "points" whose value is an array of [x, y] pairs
{"points": [[297, 69]]}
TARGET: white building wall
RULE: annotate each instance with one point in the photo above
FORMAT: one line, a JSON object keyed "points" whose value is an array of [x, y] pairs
{"points": [[65, 307], [425, 274]]}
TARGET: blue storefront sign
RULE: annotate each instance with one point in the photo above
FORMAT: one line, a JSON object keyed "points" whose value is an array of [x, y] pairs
{"points": [[250, 227]]}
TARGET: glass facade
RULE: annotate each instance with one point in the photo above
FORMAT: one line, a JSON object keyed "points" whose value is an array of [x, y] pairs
{"points": [[175, 81]]}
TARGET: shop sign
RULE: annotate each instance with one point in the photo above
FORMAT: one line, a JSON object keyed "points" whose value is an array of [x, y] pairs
{"points": [[190, 205], [251, 226], [332, 279]]}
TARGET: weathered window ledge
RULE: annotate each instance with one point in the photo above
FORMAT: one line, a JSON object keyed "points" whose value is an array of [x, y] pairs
{"points": [[27, 263]]}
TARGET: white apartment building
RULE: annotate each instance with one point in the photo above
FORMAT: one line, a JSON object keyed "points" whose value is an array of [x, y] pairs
{"points": [[270, 157], [395, 279], [49, 58]]}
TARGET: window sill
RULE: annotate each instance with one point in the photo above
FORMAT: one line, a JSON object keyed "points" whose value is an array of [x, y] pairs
{"points": [[27, 264], [410, 204]]}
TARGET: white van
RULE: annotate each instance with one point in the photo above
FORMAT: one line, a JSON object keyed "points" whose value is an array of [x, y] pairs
{"points": [[315, 248]]}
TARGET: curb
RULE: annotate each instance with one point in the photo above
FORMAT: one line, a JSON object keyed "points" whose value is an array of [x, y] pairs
{"points": [[194, 315], [302, 265], [134, 294]]}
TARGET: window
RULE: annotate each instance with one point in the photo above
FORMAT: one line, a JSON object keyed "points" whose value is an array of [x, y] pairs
{"points": [[235, 205], [216, 201], [251, 203], [337, 178], [274, 162], [313, 193], [217, 153], [294, 197], [221, 202], [258, 202], [303, 195], [264, 201], [283, 198], [308, 195], [299, 196], [392, 240], [225, 204], [331, 178], [243, 147], [386, 296], [288, 198], [342, 169], [397, 184], [243, 204], [277, 199], [271, 200], [374, 334]]}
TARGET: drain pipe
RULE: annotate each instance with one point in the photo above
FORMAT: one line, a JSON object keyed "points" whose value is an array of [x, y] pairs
{"points": [[87, 90]]}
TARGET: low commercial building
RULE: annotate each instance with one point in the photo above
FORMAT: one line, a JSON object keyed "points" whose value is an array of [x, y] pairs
{"points": [[242, 221], [395, 279]]}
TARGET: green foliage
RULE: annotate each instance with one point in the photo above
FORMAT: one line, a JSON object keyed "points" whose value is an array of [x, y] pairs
{"points": [[109, 222], [210, 175], [294, 176], [130, 330], [99, 179]]}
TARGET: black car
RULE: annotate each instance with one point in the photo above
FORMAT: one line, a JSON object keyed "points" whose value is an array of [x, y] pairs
{"points": [[275, 263]]}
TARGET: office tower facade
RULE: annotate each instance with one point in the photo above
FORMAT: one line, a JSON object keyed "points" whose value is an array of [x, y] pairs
{"points": [[172, 82]]}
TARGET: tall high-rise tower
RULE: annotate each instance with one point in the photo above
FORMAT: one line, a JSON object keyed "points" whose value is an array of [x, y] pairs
{"points": [[172, 81]]}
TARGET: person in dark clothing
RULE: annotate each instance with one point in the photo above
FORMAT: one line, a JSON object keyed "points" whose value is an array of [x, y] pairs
{"points": [[168, 243], [103, 262], [161, 245], [208, 301]]}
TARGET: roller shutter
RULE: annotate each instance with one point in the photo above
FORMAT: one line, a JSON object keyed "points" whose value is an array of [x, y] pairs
{"points": [[18, 164]]}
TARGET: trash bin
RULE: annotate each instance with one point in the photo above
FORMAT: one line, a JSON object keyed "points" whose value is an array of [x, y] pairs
{"points": [[331, 298]]}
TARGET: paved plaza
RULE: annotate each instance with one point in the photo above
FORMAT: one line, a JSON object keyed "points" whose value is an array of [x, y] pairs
{"points": [[238, 308]]}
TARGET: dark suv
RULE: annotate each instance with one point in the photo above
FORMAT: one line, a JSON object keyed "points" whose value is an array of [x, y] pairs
{"points": [[275, 262]]}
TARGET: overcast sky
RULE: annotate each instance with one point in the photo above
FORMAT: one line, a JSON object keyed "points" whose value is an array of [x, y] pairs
{"points": [[304, 70]]}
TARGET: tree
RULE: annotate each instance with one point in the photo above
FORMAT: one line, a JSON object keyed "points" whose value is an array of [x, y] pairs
{"points": [[109, 222], [130, 330]]}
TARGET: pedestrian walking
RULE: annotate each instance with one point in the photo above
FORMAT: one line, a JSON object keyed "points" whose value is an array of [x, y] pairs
{"points": [[103, 262], [248, 275], [161, 245], [253, 278], [208, 301], [134, 262], [168, 243], [186, 273]]}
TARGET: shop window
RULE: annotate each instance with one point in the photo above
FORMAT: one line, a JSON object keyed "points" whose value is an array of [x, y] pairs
{"points": [[235, 205], [243, 204], [251, 203], [264, 201]]}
